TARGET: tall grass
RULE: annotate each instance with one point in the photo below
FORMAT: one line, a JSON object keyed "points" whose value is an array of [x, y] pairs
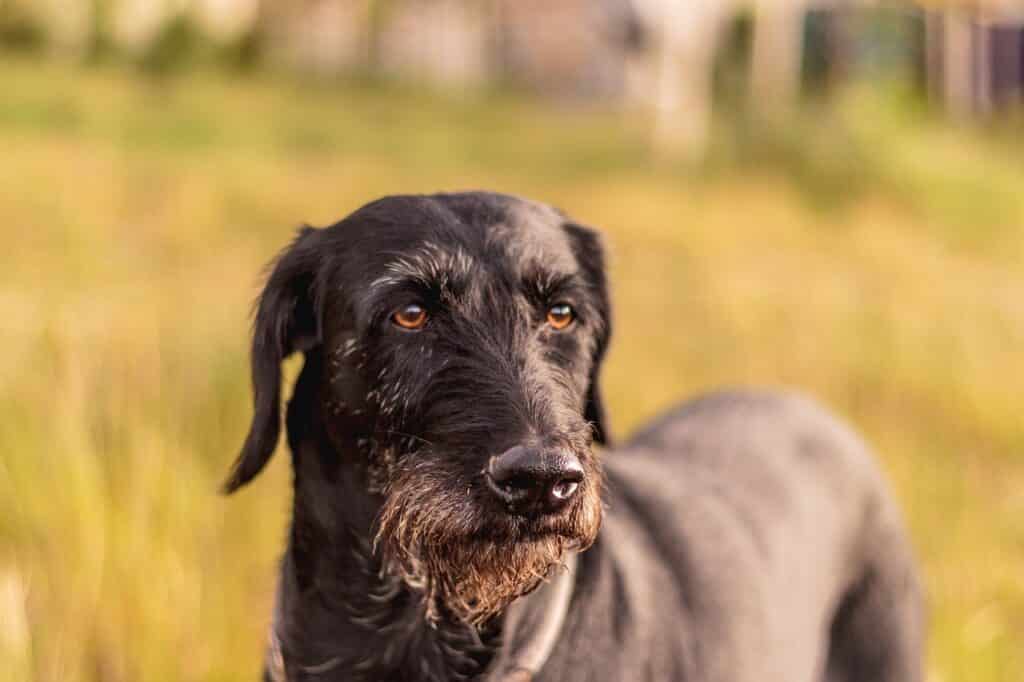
{"points": [[874, 260]]}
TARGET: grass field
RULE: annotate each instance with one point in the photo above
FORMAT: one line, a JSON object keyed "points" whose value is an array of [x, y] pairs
{"points": [[874, 257]]}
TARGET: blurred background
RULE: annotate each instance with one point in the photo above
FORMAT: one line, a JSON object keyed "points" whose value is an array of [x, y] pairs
{"points": [[826, 195]]}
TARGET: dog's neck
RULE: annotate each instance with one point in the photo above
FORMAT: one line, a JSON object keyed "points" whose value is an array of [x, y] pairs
{"points": [[355, 623], [339, 614]]}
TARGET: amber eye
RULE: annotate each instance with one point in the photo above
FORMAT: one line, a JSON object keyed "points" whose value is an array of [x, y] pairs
{"points": [[560, 315], [412, 316]]}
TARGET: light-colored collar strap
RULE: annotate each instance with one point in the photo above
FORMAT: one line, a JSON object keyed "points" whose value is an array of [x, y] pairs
{"points": [[274, 664], [275, 661], [532, 627]]}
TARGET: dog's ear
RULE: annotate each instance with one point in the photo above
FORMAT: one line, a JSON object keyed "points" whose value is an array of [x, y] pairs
{"points": [[287, 319], [590, 255]]}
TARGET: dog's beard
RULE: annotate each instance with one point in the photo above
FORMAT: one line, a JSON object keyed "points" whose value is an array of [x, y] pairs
{"points": [[440, 546]]}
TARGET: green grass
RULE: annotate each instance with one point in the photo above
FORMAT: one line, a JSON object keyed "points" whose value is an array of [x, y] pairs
{"points": [[872, 257]]}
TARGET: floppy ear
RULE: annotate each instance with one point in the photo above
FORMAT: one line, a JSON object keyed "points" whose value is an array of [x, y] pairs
{"points": [[287, 319], [590, 255]]}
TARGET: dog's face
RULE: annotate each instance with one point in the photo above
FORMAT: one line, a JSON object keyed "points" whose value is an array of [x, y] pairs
{"points": [[460, 338]]}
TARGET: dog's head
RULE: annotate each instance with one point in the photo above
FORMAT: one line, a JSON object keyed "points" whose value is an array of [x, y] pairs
{"points": [[460, 339]]}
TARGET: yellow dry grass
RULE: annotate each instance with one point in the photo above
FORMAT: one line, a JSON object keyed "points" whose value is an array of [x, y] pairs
{"points": [[137, 215]]}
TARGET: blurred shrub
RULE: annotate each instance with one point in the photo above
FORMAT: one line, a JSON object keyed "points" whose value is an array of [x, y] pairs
{"points": [[20, 28]]}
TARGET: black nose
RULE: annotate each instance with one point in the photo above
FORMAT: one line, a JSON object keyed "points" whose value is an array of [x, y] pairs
{"points": [[531, 479]]}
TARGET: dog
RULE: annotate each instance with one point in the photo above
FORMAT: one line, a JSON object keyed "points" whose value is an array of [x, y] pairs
{"points": [[453, 518]]}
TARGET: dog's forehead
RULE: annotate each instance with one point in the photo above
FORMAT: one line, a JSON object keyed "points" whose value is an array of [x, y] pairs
{"points": [[461, 231], [531, 235]]}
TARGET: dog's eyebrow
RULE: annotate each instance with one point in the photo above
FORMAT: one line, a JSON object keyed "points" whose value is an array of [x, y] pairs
{"points": [[430, 266], [543, 285]]}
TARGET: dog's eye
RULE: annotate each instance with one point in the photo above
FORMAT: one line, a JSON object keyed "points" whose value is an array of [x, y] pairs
{"points": [[560, 315], [412, 316]]}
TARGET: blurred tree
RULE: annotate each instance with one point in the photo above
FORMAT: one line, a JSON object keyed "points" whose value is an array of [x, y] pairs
{"points": [[657, 57], [21, 26]]}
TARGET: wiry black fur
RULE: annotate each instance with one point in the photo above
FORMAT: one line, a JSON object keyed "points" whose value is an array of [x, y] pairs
{"points": [[747, 535]]}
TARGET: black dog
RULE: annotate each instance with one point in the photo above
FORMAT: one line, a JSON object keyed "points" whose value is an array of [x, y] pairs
{"points": [[441, 432]]}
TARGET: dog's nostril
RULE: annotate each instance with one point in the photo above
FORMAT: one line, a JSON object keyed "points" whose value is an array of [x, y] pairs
{"points": [[568, 480], [563, 490]]}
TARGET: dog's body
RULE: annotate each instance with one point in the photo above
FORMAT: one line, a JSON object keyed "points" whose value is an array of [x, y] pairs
{"points": [[748, 537], [441, 434]]}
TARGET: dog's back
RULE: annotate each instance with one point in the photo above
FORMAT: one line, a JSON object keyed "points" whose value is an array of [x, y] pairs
{"points": [[749, 536]]}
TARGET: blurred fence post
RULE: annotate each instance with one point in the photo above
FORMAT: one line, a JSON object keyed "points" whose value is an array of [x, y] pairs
{"points": [[136, 24], [683, 39], [982, 76], [443, 42], [934, 55], [776, 55], [70, 25], [326, 37], [225, 21], [568, 49], [958, 67], [1007, 64], [975, 60]]}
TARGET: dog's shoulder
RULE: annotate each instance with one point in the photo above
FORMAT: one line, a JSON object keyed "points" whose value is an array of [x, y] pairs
{"points": [[758, 424], [774, 457]]}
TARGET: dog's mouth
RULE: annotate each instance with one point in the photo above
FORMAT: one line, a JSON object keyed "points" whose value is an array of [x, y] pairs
{"points": [[463, 557], [475, 581], [531, 529]]}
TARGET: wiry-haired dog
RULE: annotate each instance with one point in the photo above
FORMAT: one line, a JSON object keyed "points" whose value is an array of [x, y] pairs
{"points": [[442, 431]]}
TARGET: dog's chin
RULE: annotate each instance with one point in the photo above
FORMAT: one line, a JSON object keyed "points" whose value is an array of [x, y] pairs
{"points": [[466, 573], [477, 581], [473, 579]]}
